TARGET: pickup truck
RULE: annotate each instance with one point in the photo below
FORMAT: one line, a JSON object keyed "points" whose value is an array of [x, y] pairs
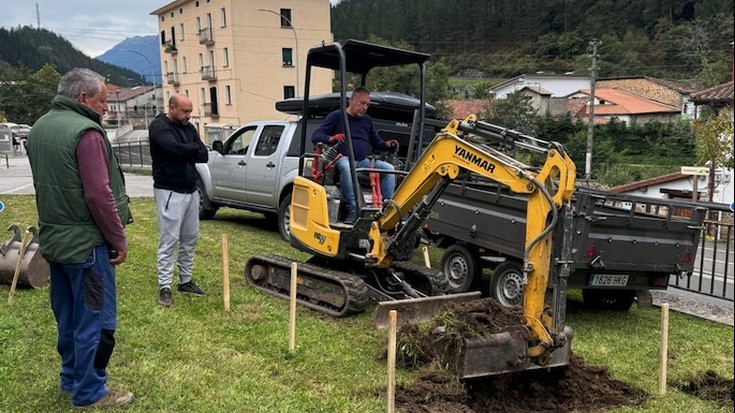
{"points": [[253, 169], [622, 245]]}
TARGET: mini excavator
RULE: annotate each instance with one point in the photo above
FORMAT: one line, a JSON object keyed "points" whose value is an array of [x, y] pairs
{"points": [[354, 263]]}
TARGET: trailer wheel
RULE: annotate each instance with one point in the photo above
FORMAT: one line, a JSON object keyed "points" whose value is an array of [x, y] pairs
{"points": [[608, 300], [284, 218], [506, 284], [461, 267], [207, 208]]}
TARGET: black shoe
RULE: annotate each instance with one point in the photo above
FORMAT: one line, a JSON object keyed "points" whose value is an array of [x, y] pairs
{"points": [[190, 288], [351, 217], [164, 297]]}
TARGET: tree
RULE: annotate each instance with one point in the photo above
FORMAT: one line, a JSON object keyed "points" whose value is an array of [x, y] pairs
{"points": [[514, 112], [714, 144]]}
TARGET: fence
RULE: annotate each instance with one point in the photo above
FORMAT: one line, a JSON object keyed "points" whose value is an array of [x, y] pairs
{"points": [[713, 263], [134, 154]]}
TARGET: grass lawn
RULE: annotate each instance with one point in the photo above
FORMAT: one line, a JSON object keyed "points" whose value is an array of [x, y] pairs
{"points": [[195, 357]]}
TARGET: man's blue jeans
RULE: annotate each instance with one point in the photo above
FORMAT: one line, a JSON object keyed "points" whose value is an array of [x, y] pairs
{"points": [[84, 302], [387, 181]]}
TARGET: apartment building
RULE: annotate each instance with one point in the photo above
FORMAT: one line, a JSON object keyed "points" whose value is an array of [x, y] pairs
{"points": [[236, 58]]}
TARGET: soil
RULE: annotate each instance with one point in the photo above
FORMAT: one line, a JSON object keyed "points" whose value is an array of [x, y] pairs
{"points": [[711, 386], [437, 353]]}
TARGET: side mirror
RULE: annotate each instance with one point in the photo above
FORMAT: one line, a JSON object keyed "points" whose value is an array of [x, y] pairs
{"points": [[218, 146]]}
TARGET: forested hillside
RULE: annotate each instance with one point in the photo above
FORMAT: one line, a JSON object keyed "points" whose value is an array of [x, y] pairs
{"points": [[31, 49], [668, 39]]}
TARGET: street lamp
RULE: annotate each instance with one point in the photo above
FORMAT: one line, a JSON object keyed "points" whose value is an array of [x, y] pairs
{"points": [[150, 65], [296, 42], [145, 101]]}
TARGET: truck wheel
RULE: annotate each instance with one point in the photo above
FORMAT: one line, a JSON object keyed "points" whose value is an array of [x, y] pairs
{"points": [[207, 208], [461, 267], [506, 284], [284, 218], [608, 300]]}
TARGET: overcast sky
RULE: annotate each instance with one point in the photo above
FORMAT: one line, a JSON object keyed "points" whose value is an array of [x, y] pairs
{"points": [[91, 26]]}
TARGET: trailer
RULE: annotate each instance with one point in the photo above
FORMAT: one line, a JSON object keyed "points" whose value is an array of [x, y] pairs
{"points": [[623, 245]]}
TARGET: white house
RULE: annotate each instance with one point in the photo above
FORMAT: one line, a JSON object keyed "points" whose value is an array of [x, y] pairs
{"points": [[680, 186], [555, 85]]}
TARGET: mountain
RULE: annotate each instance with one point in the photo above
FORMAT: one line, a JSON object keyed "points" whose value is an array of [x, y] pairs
{"points": [[31, 48], [140, 54]]}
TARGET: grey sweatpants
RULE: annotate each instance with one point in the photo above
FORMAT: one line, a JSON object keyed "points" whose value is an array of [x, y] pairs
{"points": [[178, 226]]}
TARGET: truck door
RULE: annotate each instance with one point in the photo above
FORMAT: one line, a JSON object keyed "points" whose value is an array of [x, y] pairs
{"points": [[263, 167], [229, 169]]}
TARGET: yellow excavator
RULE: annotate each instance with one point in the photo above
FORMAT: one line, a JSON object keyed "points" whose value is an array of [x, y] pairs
{"points": [[356, 262]]}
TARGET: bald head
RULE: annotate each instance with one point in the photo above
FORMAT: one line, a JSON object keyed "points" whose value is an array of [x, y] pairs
{"points": [[179, 108]]}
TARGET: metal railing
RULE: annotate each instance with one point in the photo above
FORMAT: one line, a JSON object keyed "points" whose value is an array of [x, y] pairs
{"points": [[713, 263], [133, 154]]}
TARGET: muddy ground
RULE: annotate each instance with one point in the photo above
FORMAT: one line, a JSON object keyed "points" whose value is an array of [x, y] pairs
{"points": [[711, 386], [579, 387]]}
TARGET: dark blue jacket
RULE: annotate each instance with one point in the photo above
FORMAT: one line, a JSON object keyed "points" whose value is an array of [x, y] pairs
{"points": [[362, 130]]}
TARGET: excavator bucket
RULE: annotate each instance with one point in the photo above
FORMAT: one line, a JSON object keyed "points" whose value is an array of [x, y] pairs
{"points": [[507, 352], [417, 310], [34, 270]]}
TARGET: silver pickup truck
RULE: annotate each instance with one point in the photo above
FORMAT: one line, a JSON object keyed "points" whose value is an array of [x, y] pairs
{"points": [[251, 170]]}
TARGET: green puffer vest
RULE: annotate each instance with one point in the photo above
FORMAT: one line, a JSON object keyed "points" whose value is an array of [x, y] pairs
{"points": [[67, 231]]}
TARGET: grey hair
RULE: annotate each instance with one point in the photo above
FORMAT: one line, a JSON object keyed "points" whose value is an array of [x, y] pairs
{"points": [[79, 80]]}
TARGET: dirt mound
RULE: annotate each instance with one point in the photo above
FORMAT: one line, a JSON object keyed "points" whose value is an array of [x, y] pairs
{"points": [[711, 386], [437, 348]]}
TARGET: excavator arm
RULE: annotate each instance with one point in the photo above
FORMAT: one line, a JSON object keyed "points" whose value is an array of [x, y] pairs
{"points": [[444, 160]]}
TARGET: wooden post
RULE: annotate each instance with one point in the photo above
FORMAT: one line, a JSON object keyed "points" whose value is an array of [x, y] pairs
{"points": [[427, 261], [664, 348], [226, 272], [392, 330], [21, 255], [292, 309]]}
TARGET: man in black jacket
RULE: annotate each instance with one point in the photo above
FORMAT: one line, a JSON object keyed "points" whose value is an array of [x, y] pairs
{"points": [[175, 148]]}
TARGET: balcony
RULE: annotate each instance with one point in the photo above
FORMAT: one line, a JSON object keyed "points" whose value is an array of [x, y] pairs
{"points": [[210, 110], [208, 73], [172, 78], [170, 48], [205, 36]]}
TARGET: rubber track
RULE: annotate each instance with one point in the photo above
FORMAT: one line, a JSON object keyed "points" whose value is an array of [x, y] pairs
{"points": [[354, 288], [437, 279]]}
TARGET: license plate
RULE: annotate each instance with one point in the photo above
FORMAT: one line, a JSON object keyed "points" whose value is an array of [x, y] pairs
{"points": [[609, 280]]}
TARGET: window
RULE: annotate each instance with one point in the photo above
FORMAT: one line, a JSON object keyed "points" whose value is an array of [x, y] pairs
{"points": [[238, 143], [228, 95], [268, 142], [199, 24], [163, 37], [201, 60], [173, 36], [289, 92], [286, 18], [202, 95], [225, 57], [287, 56], [181, 31], [223, 17], [211, 58], [183, 65]]}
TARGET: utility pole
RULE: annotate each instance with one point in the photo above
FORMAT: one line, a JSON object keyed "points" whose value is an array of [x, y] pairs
{"points": [[591, 121], [38, 16]]}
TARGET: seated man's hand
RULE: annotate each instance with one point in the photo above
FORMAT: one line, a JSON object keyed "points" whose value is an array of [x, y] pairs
{"points": [[339, 137], [392, 145]]}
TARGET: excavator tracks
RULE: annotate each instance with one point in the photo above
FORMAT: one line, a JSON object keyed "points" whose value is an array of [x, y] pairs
{"points": [[332, 292]]}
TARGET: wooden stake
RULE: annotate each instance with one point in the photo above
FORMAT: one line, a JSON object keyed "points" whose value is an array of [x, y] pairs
{"points": [[392, 330], [427, 261], [664, 348], [21, 254], [226, 272], [292, 309]]}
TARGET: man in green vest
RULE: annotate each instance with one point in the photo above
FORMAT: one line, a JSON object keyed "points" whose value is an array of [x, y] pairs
{"points": [[82, 210]]}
